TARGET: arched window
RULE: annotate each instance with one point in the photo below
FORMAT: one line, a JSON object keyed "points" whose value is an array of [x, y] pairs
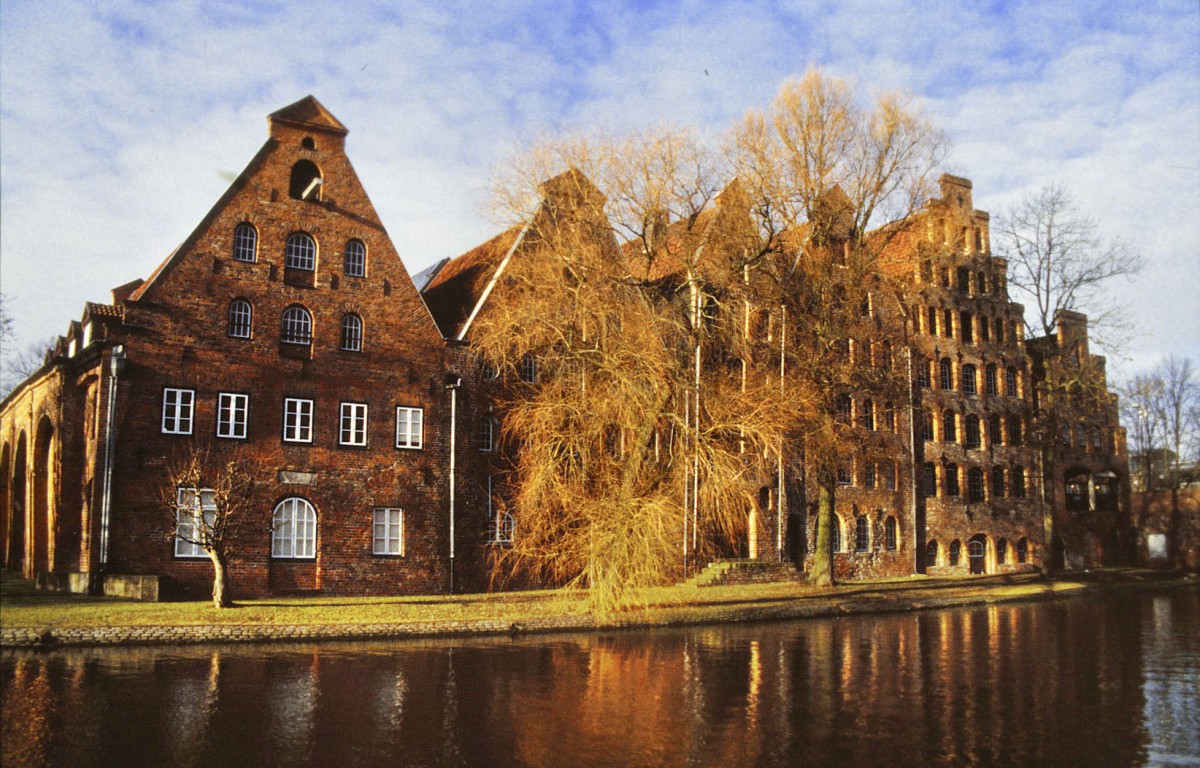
{"points": [[301, 252], [949, 428], [294, 530], [867, 417], [947, 373], [862, 534], [352, 333], [835, 533], [245, 242], [1014, 430], [485, 439], [1095, 433], [844, 408], [955, 552], [975, 490], [923, 377], [926, 425], [931, 553], [241, 319], [506, 529], [968, 380], [991, 386], [1001, 551], [355, 259], [995, 432], [296, 327], [888, 470], [952, 480], [997, 482], [966, 327], [890, 539], [971, 428], [305, 182], [1022, 550], [868, 474], [1010, 382], [928, 481]]}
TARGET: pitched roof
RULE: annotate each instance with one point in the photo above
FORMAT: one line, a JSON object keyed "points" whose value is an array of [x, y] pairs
{"points": [[310, 113], [457, 287]]}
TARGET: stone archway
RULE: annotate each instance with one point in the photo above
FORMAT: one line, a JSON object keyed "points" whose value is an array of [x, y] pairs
{"points": [[5, 501], [15, 545], [43, 499]]}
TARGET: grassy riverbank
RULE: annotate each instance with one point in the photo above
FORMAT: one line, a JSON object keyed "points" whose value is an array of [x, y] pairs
{"points": [[60, 618]]}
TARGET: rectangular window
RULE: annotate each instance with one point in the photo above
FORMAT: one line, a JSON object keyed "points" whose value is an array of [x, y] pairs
{"points": [[195, 514], [297, 420], [868, 475], [178, 409], [387, 531], [353, 424], [843, 476], [486, 436], [232, 412], [409, 424]]}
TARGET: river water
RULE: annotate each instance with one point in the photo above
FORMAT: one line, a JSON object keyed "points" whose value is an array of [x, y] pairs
{"points": [[1109, 680]]}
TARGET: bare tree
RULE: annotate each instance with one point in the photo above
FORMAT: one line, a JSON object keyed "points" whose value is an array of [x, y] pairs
{"points": [[821, 170], [1140, 413], [207, 496], [1178, 404], [1058, 259], [21, 364]]}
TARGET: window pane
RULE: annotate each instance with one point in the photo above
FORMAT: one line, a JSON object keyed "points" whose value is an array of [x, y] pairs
{"points": [[355, 259], [245, 242], [301, 252]]}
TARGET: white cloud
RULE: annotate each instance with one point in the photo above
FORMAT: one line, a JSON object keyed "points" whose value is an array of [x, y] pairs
{"points": [[118, 122]]}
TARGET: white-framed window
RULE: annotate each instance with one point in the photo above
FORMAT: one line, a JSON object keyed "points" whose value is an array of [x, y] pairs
{"points": [[505, 530], [297, 420], [352, 333], [355, 259], [241, 319], [232, 415], [862, 534], [485, 440], [409, 426], [179, 408], [245, 242], [301, 252], [195, 514], [353, 425], [296, 326], [387, 531], [294, 530]]}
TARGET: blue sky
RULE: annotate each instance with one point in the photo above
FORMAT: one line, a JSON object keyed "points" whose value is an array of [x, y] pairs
{"points": [[122, 122]]}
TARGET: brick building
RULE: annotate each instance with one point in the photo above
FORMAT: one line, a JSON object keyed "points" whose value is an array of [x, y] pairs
{"points": [[285, 324]]}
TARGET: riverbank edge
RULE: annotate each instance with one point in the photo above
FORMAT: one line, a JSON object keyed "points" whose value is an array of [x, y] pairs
{"points": [[855, 602]]}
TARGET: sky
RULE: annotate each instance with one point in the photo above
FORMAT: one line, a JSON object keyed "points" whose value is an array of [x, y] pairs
{"points": [[123, 121]]}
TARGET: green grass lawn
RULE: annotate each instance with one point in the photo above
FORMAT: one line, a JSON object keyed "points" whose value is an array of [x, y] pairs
{"points": [[21, 606]]}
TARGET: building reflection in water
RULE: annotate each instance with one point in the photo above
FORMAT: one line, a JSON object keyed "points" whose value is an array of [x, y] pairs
{"points": [[1081, 681]]}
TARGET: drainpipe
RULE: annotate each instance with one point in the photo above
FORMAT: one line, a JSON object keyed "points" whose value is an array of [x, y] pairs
{"points": [[116, 366], [452, 383]]}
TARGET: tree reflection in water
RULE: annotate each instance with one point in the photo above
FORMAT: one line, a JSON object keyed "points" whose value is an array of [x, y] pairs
{"points": [[1087, 681]]}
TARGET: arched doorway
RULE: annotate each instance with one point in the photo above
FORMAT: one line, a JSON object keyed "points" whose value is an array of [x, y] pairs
{"points": [[797, 541], [43, 497], [5, 502], [16, 509], [977, 554]]}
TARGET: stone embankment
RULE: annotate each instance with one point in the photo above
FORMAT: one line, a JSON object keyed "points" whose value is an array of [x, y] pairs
{"points": [[849, 600]]}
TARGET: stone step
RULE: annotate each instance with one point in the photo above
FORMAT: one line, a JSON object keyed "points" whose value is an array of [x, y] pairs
{"points": [[721, 572]]}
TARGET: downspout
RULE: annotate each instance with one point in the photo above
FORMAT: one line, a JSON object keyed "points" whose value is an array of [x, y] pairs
{"points": [[116, 366], [780, 507], [452, 383]]}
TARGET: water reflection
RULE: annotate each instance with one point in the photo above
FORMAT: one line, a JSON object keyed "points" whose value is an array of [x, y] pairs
{"points": [[1086, 681]]}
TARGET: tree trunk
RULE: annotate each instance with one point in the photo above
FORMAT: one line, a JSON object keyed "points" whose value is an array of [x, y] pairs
{"points": [[1049, 528], [220, 591], [822, 569]]}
